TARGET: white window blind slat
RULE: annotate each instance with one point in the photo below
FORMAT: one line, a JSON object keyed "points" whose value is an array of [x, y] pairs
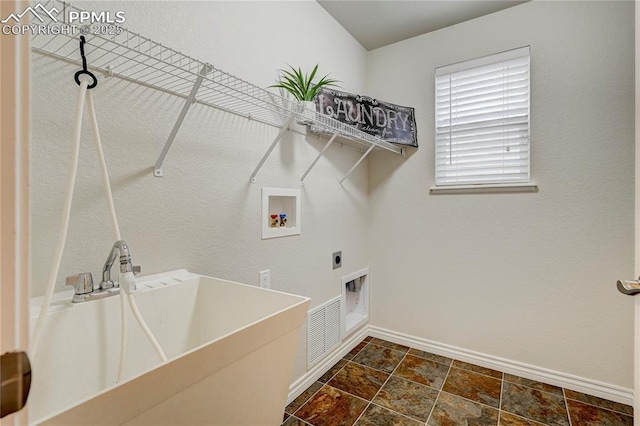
{"points": [[468, 86], [460, 95], [491, 168], [462, 136], [481, 158], [498, 123], [476, 152], [482, 120], [517, 64], [488, 178], [483, 97], [455, 120], [516, 72], [509, 107], [482, 150], [506, 138], [516, 100], [497, 85]]}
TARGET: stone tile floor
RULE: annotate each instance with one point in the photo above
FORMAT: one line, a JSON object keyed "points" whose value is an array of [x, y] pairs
{"points": [[381, 383]]}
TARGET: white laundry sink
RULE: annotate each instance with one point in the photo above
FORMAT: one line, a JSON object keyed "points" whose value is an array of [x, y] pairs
{"points": [[230, 350]]}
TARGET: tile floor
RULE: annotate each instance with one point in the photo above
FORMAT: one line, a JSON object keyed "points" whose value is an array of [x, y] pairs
{"points": [[381, 383]]}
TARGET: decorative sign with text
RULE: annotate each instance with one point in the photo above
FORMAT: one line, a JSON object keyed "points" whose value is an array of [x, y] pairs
{"points": [[389, 122]]}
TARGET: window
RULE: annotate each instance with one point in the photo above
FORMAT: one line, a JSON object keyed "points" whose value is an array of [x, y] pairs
{"points": [[482, 121]]}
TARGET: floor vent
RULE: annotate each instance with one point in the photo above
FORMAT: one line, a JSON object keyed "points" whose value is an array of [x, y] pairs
{"points": [[323, 330]]}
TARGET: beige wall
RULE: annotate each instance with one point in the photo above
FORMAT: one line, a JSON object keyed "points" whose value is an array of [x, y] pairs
{"points": [[203, 215], [527, 277]]}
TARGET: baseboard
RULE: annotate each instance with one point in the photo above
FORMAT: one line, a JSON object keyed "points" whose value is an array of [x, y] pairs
{"points": [[557, 378], [313, 374]]}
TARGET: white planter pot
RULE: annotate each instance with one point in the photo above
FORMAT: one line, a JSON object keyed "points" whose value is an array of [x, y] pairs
{"points": [[308, 109]]}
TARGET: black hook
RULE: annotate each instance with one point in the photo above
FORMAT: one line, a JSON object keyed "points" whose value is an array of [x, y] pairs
{"points": [[84, 67]]}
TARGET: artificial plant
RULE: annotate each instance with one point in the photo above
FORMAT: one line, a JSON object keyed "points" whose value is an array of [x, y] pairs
{"points": [[301, 85]]}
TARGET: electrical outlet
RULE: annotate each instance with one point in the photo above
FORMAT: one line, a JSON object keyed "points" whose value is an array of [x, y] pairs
{"points": [[265, 279]]}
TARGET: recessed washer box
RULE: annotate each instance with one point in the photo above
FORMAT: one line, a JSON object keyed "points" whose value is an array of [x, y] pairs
{"points": [[355, 301], [278, 201]]}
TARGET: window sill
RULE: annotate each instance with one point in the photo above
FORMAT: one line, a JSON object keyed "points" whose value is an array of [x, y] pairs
{"points": [[481, 189]]}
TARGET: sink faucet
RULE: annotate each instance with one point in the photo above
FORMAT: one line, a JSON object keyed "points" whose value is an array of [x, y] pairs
{"points": [[125, 264], [83, 282]]}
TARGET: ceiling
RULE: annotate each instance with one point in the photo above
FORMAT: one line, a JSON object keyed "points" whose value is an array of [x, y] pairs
{"points": [[377, 23]]}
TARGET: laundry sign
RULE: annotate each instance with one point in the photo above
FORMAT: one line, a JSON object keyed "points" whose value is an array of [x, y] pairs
{"points": [[387, 121]]}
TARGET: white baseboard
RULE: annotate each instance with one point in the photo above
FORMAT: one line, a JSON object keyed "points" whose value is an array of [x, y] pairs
{"points": [[557, 378]]}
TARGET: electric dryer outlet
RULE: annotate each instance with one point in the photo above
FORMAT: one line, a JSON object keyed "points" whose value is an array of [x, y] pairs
{"points": [[336, 257]]}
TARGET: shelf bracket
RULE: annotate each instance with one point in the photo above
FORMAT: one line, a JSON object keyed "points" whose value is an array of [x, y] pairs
{"points": [[206, 69], [283, 129], [357, 163], [320, 154]]}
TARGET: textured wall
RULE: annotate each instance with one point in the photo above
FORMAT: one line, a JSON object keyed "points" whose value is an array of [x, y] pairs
{"points": [[203, 215], [527, 277]]}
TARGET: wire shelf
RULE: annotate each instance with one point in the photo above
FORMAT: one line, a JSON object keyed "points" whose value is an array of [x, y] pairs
{"points": [[133, 57]]}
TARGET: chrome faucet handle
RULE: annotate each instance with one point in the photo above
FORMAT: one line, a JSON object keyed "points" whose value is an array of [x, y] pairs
{"points": [[82, 283]]}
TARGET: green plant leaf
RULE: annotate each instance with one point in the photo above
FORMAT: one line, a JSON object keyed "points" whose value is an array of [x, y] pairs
{"points": [[308, 82], [301, 82], [289, 87], [294, 90], [313, 73], [301, 85]]}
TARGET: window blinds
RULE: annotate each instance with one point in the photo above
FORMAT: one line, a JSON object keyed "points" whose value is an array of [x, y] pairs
{"points": [[482, 120]]}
